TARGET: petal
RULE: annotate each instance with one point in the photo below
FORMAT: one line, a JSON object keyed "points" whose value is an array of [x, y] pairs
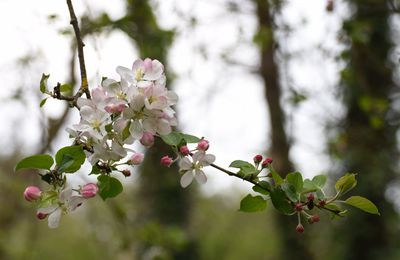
{"points": [[126, 74], [185, 164], [136, 130], [65, 194], [186, 179], [54, 218], [48, 210], [198, 156], [137, 64], [208, 159], [75, 202], [200, 176]]}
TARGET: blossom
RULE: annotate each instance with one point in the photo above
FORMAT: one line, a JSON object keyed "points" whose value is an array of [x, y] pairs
{"points": [[65, 203], [193, 169]]}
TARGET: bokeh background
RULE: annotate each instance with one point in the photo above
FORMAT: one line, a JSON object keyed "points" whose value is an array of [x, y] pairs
{"points": [[313, 84]]}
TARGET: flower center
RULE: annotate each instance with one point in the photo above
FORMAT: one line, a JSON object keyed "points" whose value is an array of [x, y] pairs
{"points": [[139, 73]]}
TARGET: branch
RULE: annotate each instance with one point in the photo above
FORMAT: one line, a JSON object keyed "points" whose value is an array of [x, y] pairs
{"points": [[237, 176], [84, 81]]}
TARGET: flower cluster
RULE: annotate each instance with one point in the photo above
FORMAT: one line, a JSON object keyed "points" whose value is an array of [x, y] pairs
{"points": [[53, 204], [191, 162], [137, 107]]}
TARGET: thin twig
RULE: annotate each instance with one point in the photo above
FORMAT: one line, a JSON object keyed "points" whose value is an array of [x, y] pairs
{"points": [[237, 176], [84, 81]]}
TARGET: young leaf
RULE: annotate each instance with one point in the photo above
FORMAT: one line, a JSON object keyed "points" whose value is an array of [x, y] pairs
{"points": [[240, 164], [70, 158], [190, 138], [43, 102], [275, 176], [109, 187], [252, 204], [260, 190], [319, 181], [363, 204], [290, 191], [43, 83], [40, 161], [309, 186], [174, 138], [296, 180], [278, 198], [346, 183], [65, 88]]}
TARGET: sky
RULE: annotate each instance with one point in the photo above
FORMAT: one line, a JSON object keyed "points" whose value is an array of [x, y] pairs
{"points": [[221, 102]]}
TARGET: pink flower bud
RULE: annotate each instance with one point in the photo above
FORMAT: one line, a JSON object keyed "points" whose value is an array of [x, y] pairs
{"points": [[184, 150], [115, 108], [314, 219], [41, 215], [89, 190], [166, 161], [147, 139], [32, 193], [266, 162], [136, 159], [258, 158], [203, 145], [300, 228]]}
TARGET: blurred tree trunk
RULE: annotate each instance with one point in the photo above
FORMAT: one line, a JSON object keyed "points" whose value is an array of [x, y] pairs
{"points": [[162, 201], [367, 143], [279, 149]]}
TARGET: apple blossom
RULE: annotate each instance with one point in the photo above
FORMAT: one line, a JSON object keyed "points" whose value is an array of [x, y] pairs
{"points": [[89, 190], [193, 169]]}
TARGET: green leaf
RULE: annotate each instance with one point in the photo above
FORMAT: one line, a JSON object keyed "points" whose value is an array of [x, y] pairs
{"points": [[70, 158], [346, 183], [363, 204], [190, 138], [290, 191], [319, 181], [40, 161], [66, 88], [43, 102], [252, 204], [278, 198], [335, 210], [260, 190], [246, 168], [43, 83], [296, 180], [109, 187], [174, 138], [95, 170], [126, 133], [309, 186], [275, 176], [240, 164]]}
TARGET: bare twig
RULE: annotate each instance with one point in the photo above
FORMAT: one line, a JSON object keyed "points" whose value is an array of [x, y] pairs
{"points": [[84, 81]]}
